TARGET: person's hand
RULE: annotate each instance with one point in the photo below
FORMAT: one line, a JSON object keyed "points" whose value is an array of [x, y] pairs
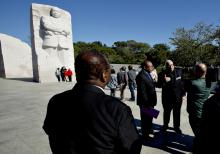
{"points": [[167, 79], [65, 33], [49, 33], [184, 99]]}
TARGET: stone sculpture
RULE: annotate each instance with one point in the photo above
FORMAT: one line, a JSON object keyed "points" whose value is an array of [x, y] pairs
{"points": [[55, 32], [15, 58], [52, 44]]}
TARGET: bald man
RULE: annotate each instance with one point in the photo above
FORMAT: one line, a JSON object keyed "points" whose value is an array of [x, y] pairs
{"points": [[85, 120], [207, 139], [197, 93], [172, 94]]}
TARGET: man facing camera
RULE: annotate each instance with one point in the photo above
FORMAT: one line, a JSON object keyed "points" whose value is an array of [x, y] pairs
{"points": [[172, 95], [146, 97]]}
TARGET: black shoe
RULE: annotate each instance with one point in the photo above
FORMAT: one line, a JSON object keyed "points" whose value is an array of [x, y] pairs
{"points": [[178, 130], [164, 128], [150, 131], [147, 137], [131, 99]]}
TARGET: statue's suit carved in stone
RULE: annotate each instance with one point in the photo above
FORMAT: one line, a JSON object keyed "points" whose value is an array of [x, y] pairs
{"points": [[54, 30], [52, 44]]}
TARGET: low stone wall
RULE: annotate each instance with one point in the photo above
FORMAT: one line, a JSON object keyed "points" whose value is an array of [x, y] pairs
{"points": [[118, 66]]}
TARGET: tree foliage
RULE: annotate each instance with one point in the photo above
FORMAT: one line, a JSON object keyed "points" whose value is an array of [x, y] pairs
{"points": [[127, 52], [194, 45], [200, 43], [158, 54]]}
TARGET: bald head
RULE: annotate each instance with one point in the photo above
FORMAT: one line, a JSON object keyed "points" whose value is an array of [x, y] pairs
{"points": [[91, 66], [169, 65], [200, 70], [147, 65], [169, 62]]}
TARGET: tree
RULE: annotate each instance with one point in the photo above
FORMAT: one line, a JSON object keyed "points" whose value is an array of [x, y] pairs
{"points": [[131, 51], [79, 47], [119, 44], [158, 54], [95, 46], [189, 43]]}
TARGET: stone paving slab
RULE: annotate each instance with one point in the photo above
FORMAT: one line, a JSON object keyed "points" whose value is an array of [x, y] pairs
{"points": [[23, 108]]}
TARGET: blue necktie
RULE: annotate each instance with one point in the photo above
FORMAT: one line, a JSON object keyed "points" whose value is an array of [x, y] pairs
{"points": [[148, 75]]}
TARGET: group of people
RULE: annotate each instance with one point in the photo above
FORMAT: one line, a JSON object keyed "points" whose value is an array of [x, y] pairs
{"points": [[85, 119], [124, 79], [64, 74], [94, 122], [203, 111], [121, 80]]}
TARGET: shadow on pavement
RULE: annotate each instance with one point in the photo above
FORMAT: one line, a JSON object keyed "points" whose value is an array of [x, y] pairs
{"points": [[168, 141], [22, 79]]}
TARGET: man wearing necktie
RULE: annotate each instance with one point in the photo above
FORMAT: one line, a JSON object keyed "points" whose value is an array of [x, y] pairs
{"points": [[146, 97]]}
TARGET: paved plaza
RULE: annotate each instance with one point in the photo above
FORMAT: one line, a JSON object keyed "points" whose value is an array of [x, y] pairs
{"points": [[23, 107]]}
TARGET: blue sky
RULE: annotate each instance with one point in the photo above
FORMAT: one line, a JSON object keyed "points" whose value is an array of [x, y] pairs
{"points": [[108, 21]]}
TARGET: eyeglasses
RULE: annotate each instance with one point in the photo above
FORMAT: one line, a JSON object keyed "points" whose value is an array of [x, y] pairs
{"points": [[169, 65]]}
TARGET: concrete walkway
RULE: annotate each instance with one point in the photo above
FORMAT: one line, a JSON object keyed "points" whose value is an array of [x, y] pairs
{"points": [[22, 111]]}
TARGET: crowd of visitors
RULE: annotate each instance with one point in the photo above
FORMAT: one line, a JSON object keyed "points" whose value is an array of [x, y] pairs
{"points": [[107, 124], [84, 120], [64, 74]]}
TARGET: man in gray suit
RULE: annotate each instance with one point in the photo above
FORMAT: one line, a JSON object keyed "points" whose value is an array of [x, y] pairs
{"points": [[131, 81]]}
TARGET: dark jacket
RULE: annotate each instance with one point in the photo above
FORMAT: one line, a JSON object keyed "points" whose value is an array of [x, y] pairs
{"points": [[172, 90], [85, 120], [122, 78], [146, 93], [208, 139]]}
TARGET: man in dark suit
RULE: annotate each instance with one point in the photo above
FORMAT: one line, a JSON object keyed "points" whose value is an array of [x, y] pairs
{"points": [[90, 122], [146, 96], [172, 95]]}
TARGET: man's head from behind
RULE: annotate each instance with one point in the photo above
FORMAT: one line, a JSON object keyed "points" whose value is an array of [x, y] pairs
{"points": [[93, 68], [200, 70], [130, 67]]}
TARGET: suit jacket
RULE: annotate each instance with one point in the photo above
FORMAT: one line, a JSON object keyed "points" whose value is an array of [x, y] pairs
{"points": [[209, 134], [173, 90], [131, 76], [122, 77], [146, 93], [86, 120]]}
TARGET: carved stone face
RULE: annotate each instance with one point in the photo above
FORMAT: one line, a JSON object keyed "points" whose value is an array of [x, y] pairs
{"points": [[55, 12]]}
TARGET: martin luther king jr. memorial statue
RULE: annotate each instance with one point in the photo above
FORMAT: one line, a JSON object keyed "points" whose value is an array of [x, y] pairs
{"points": [[52, 45]]}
